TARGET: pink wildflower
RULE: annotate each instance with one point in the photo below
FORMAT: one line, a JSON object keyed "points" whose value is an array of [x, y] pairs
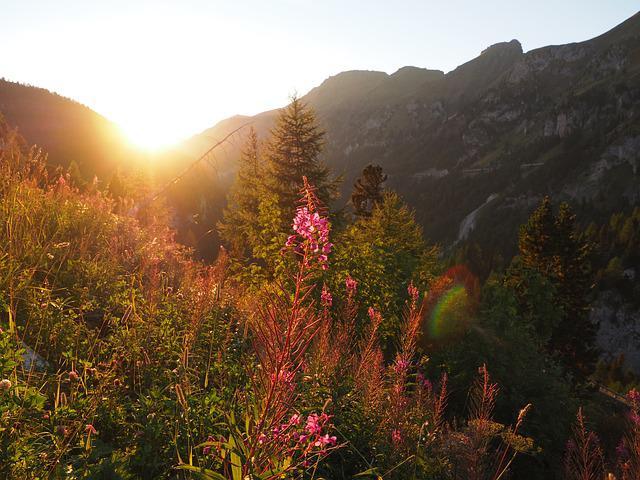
{"points": [[313, 231], [90, 429], [401, 365], [328, 440], [396, 436], [633, 395], [73, 375], [326, 300], [351, 285], [413, 292], [291, 241]]}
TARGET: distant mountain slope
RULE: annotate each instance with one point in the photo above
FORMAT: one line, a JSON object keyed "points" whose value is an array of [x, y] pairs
{"points": [[67, 130], [511, 126]]}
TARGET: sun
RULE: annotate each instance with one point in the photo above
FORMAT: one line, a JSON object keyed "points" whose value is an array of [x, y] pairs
{"points": [[150, 134]]}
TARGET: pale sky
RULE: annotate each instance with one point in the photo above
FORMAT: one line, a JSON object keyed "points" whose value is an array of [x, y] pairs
{"points": [[165, 70]]}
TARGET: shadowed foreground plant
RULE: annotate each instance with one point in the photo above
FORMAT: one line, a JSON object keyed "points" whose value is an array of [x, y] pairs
{"points": [[272, 440], [583, 458]]}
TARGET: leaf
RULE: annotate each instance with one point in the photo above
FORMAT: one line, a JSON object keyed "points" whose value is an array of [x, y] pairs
{"points": [[202, 472]]}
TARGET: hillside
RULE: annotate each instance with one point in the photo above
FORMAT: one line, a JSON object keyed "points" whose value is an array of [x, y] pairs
{"points": [[67, 130], [507, 125]]}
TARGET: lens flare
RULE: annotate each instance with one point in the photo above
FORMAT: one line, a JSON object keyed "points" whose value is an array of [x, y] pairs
{"points": [[450, 305], [450, 315]]}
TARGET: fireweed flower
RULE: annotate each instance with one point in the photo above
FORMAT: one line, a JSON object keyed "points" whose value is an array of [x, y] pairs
{"points": [[413, 292], [351, 285], [326, 300], [401, 365], [396, 436], [312, 235]]}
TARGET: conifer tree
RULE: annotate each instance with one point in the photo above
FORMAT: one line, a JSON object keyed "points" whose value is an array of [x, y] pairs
{"points": [[367, 191], [237, 228], [551, 246], [294, 151]]}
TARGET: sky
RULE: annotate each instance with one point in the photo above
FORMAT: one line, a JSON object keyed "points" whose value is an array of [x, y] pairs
{"points": [[164, 70]]}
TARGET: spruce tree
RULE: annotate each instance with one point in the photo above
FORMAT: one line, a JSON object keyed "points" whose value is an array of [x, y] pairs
{"points": [[367, 191], [551, 246], [237, 228], [294, 150]]}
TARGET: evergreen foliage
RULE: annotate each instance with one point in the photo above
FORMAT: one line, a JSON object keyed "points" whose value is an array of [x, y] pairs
{"points": [[293, 152], [550, 245], [238, 228], [384, 253], [367, 191]]}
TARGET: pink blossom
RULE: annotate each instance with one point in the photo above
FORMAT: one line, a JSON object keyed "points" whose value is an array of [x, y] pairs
{"points": [[413, 292], [5, 384], [401, 365], [633, 395], [351, 285], [90, 429], [396, 436], [313, 232], [326, 300], [73, 375], [291, 240], [328, 440]]}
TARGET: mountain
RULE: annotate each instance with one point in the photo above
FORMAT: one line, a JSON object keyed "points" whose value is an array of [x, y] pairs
{"points": [[474, 149], [67, 130]]}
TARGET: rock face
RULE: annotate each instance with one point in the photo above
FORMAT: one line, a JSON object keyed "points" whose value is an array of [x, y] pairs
{"points": [[619, 328], [561, 120]]}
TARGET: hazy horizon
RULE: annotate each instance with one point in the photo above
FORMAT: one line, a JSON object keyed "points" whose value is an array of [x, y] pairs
{"points": [[164, 71]]}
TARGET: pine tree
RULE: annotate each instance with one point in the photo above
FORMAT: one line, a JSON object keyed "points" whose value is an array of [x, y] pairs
{"points": [[237, 228], [551, 246], [294, 151], [367, 191]]}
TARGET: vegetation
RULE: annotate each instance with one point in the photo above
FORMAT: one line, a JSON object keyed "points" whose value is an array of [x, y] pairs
{"points": [[320, 346]]}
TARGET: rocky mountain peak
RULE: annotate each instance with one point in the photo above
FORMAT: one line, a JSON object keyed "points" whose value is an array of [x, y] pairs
{"points": [[504, 48]]}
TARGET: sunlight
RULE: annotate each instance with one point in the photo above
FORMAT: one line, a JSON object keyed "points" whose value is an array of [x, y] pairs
{"points": [[151, 134]]}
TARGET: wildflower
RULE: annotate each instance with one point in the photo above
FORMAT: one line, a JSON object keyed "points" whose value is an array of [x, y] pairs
{"points": [[351, 285], [5, 384], [295, 419], [313, 231], [315, 422], [291, 241], [633, 395], [401, 365], [413, 292], [73, 376], [326, 300], [90, 429], [327, 440], [396, 436]]}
